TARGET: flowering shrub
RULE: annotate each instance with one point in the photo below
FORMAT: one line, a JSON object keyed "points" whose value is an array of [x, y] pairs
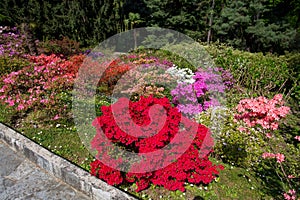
{"points": [[263, 115], [144, 60], [41, 84], [192, 166], [12, 43], [263, 112], [141, 81], [135, 74], [184, 75], [193, 97], [290, 195]]}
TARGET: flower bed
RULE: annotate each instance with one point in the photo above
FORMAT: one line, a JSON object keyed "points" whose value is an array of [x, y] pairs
{"points": [[250, 136]]}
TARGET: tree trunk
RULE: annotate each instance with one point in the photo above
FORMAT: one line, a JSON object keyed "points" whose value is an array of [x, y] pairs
{"points": [[210, 21]]}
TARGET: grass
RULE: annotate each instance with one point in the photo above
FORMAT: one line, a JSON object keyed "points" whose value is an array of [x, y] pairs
{"points": [[233, 183]]}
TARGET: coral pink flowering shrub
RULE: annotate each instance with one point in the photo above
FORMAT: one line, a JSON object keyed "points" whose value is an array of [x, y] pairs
{"points": [[263, 116], [261, 111], [39, 85], [192, 166]]}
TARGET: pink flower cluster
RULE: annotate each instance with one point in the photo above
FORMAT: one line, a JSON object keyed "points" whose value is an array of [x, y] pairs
{"points": [[279, 157], [39, 84], [291, 195], [261, 111], [297, 138]]}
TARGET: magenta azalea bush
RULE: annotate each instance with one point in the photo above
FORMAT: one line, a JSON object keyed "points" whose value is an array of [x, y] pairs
{"points": [[12, 43]]}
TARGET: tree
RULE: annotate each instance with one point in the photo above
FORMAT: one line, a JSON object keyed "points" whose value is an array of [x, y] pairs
{"points": [[247, 25]]}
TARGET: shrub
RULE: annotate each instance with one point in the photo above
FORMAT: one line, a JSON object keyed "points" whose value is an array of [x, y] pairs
{"points": [[131, 74], [195, 96], [64, 46], [42, 85], [231, 145], [12, 64], [261, 74], [263, 115], [192, 166], [12, 43]]}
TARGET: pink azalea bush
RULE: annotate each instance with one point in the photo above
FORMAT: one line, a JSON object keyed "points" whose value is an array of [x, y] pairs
{"points": [[290, 195], [263, 112], [41, 84], [263, 115]]}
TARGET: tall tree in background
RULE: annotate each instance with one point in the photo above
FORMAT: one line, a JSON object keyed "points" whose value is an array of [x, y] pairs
{"points": [[255, 25], [245, 24], [210, 21]]}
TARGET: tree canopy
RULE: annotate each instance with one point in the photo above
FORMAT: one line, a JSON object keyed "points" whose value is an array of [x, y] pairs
{"points": [[254, 25]]}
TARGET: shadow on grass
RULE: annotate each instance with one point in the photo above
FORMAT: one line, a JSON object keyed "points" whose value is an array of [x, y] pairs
{"points": [[198, 198]]}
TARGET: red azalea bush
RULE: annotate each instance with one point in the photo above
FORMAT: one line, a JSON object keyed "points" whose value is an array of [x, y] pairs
{"points": [[114, 71], [40, 84], [117, 123]]}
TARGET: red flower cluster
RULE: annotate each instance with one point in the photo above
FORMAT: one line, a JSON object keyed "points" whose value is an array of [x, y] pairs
{"points": [[114, 72], [146, 127]]}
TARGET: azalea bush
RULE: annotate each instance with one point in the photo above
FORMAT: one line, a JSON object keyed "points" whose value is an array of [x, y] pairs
{"points": [[249, 136], [196, 95], [192, 166], [41, 85], [132, 69], [12, 43], [13, 56], [263, 115]]}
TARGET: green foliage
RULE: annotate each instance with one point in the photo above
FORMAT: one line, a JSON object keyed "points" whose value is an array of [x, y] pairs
{"points": [[231, 145], [256, 25], [250, 25], [11, 64], [260, 74]]}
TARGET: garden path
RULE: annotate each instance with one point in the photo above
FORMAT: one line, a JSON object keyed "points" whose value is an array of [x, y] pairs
{"points": [[22, 179]]}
